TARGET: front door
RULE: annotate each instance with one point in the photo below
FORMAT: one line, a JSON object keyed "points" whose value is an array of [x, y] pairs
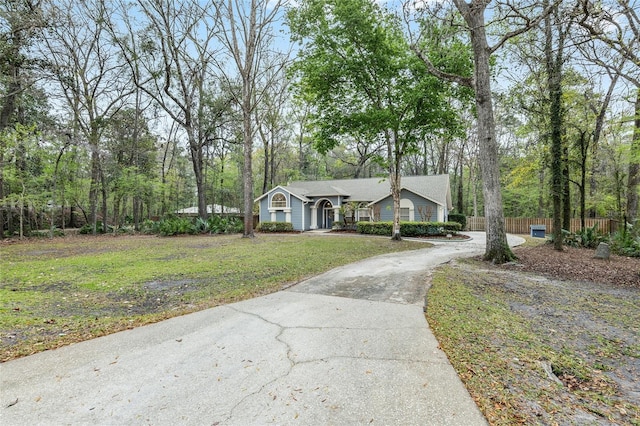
{"points": [[327, 215]]}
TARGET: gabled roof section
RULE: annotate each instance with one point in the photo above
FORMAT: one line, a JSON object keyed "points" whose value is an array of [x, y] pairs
{"points": [[435, 188], [285, 189]]}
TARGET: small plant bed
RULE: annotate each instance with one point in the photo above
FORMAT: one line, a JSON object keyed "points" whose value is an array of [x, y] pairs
{"points": [[550, 339], [410, 229]]}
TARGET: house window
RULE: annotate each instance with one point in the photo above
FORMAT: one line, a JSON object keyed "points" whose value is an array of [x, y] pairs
{"points": [[278, 200], [364, 215], [406, 210]]}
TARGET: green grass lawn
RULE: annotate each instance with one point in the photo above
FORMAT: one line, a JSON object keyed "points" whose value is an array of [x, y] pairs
{"points": [[537, 351], [55, 292]]}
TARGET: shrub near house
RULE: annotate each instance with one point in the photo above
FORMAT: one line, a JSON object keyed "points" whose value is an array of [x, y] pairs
{"points": [[410, 229]]}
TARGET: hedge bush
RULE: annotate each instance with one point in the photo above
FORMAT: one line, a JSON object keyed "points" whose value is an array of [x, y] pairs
{"points": [[274, 227], [410, 229], [375, 228], [460, 218]]}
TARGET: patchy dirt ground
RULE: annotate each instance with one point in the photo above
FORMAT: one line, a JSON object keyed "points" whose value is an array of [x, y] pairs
{"points": [[578, 265], [580, 306]]}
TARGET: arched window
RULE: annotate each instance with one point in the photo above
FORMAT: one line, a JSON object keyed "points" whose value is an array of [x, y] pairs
{"points": [[406, 210], [278, 200]]}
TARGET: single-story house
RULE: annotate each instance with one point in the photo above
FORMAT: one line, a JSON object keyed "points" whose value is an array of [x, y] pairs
{"points": [[309, 205]]}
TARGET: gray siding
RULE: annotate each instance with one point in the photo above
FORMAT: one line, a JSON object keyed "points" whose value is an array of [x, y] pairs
{"points": [[386, 207], [280, 216], [294, 203], [296, 217], [264, 210], [307, 218], [420, 203]]}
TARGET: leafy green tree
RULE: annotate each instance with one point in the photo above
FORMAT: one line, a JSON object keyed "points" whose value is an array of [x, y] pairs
{"points": [[246, 31], [554, 58], [484, 44], [131, 164], [91, 78], [170, 58], [614, 29], [21, 22], [358, 74]]}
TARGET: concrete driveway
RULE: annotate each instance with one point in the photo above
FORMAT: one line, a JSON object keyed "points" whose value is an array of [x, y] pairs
{"points": [[348, 347]]}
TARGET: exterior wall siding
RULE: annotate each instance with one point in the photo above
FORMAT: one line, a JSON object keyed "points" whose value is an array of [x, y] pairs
{"points": [[386, 209], [280, 216], [419, 204], [422, 207], [264, 210], [265, 204], [307, 217], [296, 217]]}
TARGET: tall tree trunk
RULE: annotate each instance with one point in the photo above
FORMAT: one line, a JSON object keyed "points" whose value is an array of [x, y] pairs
{"points": [[584, 152], [554, 84], [497, 249], [116, 210], [460, 201], [247, 169], [265, 176], [6, 113], [566, 190], [394, 181], [197, 162], [541, 178], [272, 172], [634, 166], [597, 132], [103, 191], [94, 187]]}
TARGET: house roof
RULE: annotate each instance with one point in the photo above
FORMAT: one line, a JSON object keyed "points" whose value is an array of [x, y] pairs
{"points": [[434, 188]]}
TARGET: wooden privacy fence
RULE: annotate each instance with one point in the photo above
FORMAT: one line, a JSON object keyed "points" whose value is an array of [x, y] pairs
{"points": [[520, 225]]}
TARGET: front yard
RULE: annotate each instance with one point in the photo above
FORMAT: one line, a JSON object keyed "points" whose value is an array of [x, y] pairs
{"points": [[56, 292]]}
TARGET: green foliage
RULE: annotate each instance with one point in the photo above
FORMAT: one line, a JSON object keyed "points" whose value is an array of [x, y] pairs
{"points": [[358, 72], [87, 229], [410, 229], [224, 224], [460, 218], [201, 226], [375, 228], [150, 227], [587, 238], [175, 225], [625, 243], [275, 227]]}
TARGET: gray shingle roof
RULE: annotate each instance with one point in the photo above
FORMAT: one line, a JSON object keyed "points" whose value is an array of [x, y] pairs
{"points": [[434, 188]]}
